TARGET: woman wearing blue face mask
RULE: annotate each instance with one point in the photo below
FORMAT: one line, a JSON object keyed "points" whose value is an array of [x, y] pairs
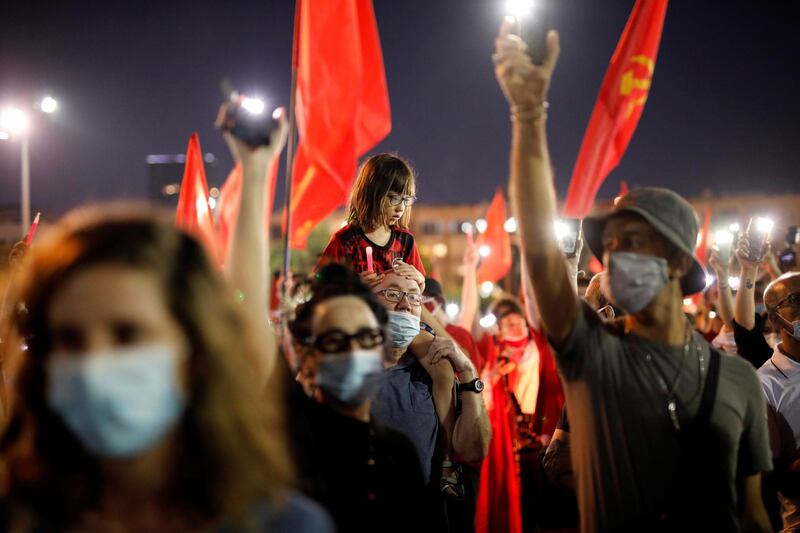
{"points": [[358, 469], [139, 403]]}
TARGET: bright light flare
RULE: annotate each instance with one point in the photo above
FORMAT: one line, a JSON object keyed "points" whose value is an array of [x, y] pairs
{"points": [[712, 315], [487, 287], [734, 228], [452, 310], [48, 104], [466, 227], [510, 225], [212, 202], [687, 302], [709, 280], [723, 237], [255, 106], [519, 9], [485, 251], [733, 282], [14, 120], [481, 225], [561, 229], [764, 225], [488, 321], [439, 250], [3, 136]]}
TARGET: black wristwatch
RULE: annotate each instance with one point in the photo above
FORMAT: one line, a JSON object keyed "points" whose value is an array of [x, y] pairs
{"points": [[476, 385]]}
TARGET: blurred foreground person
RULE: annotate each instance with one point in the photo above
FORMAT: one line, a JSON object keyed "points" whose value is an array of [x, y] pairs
{"points": [[780, 376], [358, 469], [666, 433]]}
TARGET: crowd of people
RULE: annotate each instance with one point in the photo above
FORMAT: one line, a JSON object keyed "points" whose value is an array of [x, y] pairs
{"points": [[147, 389]]}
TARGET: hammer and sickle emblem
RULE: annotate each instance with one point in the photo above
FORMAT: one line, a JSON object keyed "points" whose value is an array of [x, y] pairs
{"points": [[630, 83]]}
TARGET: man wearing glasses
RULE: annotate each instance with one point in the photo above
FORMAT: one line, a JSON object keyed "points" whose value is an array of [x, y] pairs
{"points": [[780, 377]]}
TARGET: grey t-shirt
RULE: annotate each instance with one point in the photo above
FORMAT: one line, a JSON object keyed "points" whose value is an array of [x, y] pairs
{"points": [[624, 445]]}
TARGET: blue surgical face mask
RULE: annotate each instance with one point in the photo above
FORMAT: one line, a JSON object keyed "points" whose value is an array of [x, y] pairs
{"points": [[350, 377], [792, 328], [118, 403], [403, 327], [634, 280]]}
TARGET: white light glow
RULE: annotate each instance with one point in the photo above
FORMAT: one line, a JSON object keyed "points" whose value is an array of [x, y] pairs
{"points": [[48, 104], [519, 9], [452, 310], [253, 105], [723, 237], [712, 315], [485, 251], [486, 289], [466, 227], [510, 225], [709, 280], [13, 120], [212, 202], [733, 228], [561, 229], [687, 302], [3, 136], [439, 249], [488, 321], [733, 282], [764, 225], [481, 225]]}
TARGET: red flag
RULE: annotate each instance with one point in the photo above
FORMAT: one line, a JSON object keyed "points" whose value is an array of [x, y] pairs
{"points": [[194, 214], [619, 104], [342, 106], [495, 242], [230, 197], [704, 237]]}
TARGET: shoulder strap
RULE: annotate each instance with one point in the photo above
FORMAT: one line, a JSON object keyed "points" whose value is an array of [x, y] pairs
{"points": [[703, 417]]}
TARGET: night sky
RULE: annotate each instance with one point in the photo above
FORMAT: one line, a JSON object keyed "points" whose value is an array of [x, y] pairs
{"points": [[137, 78]]}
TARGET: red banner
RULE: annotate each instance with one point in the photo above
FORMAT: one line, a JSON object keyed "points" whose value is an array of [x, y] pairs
{"points": [[342, 106], [619, 105], [193, 213]]}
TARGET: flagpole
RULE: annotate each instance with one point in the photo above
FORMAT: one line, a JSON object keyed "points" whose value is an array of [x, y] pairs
{"points": [[290, 147]]}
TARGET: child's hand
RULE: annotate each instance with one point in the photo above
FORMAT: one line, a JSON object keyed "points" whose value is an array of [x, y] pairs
{"points": [[370, 278], [409, 272]]}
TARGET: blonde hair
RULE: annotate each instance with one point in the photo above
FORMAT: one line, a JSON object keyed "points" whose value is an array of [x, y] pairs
{"points": [[377, 177]]}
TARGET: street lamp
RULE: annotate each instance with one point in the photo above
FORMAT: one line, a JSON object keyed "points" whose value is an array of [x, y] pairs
{"points": [[15, 122]]}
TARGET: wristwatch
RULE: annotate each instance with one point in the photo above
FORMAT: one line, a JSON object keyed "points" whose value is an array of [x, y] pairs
{"points": [[476, 385]]}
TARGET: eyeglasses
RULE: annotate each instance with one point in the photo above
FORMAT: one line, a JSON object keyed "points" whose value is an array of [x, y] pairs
{"points": [[396, 296], [793, 300], [396, 200], [336, 340]]}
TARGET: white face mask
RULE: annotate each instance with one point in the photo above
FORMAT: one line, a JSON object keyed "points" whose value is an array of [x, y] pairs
{"points": [[634, 280], [403, 327]]}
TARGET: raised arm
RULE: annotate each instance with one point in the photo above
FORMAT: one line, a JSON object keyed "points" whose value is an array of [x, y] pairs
{"points": [[246, 265], [745, 309], [525, 86], [469, 288], [725, 296]]}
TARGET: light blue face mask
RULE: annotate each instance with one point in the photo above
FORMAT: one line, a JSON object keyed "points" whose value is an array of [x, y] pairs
{"points": [[792, 328], [352, 377], [117, 403], [634, 280], [403, 327]]}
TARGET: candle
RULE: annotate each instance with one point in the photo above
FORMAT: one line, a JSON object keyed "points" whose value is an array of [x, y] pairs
{"points": [[369, 258], [32, 230]]}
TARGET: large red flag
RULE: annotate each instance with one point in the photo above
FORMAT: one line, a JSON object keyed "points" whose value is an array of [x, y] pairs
{"points": [[342, 106], [704, 237], [495, 241], [230, 197], [619, 104], [193, 213]]}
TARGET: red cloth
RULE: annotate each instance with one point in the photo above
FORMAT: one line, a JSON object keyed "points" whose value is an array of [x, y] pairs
{"points": [[705, 237], [497, 264], [619, 105], [342, 105], [348, 246], [194, 214]]}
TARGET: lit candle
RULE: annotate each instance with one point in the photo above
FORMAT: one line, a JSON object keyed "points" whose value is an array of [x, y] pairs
{"points": [[369, 258]]}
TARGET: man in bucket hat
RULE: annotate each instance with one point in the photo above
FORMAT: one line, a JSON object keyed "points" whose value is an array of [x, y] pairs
{"points": [[667, 434]]}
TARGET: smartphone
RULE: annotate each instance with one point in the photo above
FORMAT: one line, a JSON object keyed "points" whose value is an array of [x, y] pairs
{"points": [[533, 30], [568, 232], [249, 121], [757, 233]]}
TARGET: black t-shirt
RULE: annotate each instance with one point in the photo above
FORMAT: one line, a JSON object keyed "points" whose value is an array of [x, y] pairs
{"points": [[365, 474], [751, 344]]}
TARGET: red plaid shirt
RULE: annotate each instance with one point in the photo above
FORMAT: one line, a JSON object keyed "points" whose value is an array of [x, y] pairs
{"points": [[349, 246]]}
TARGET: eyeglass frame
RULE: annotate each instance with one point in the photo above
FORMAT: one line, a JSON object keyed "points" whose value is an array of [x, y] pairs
{"points": [[404, 294], [346, 339], [785, 301], [396, 199]]}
